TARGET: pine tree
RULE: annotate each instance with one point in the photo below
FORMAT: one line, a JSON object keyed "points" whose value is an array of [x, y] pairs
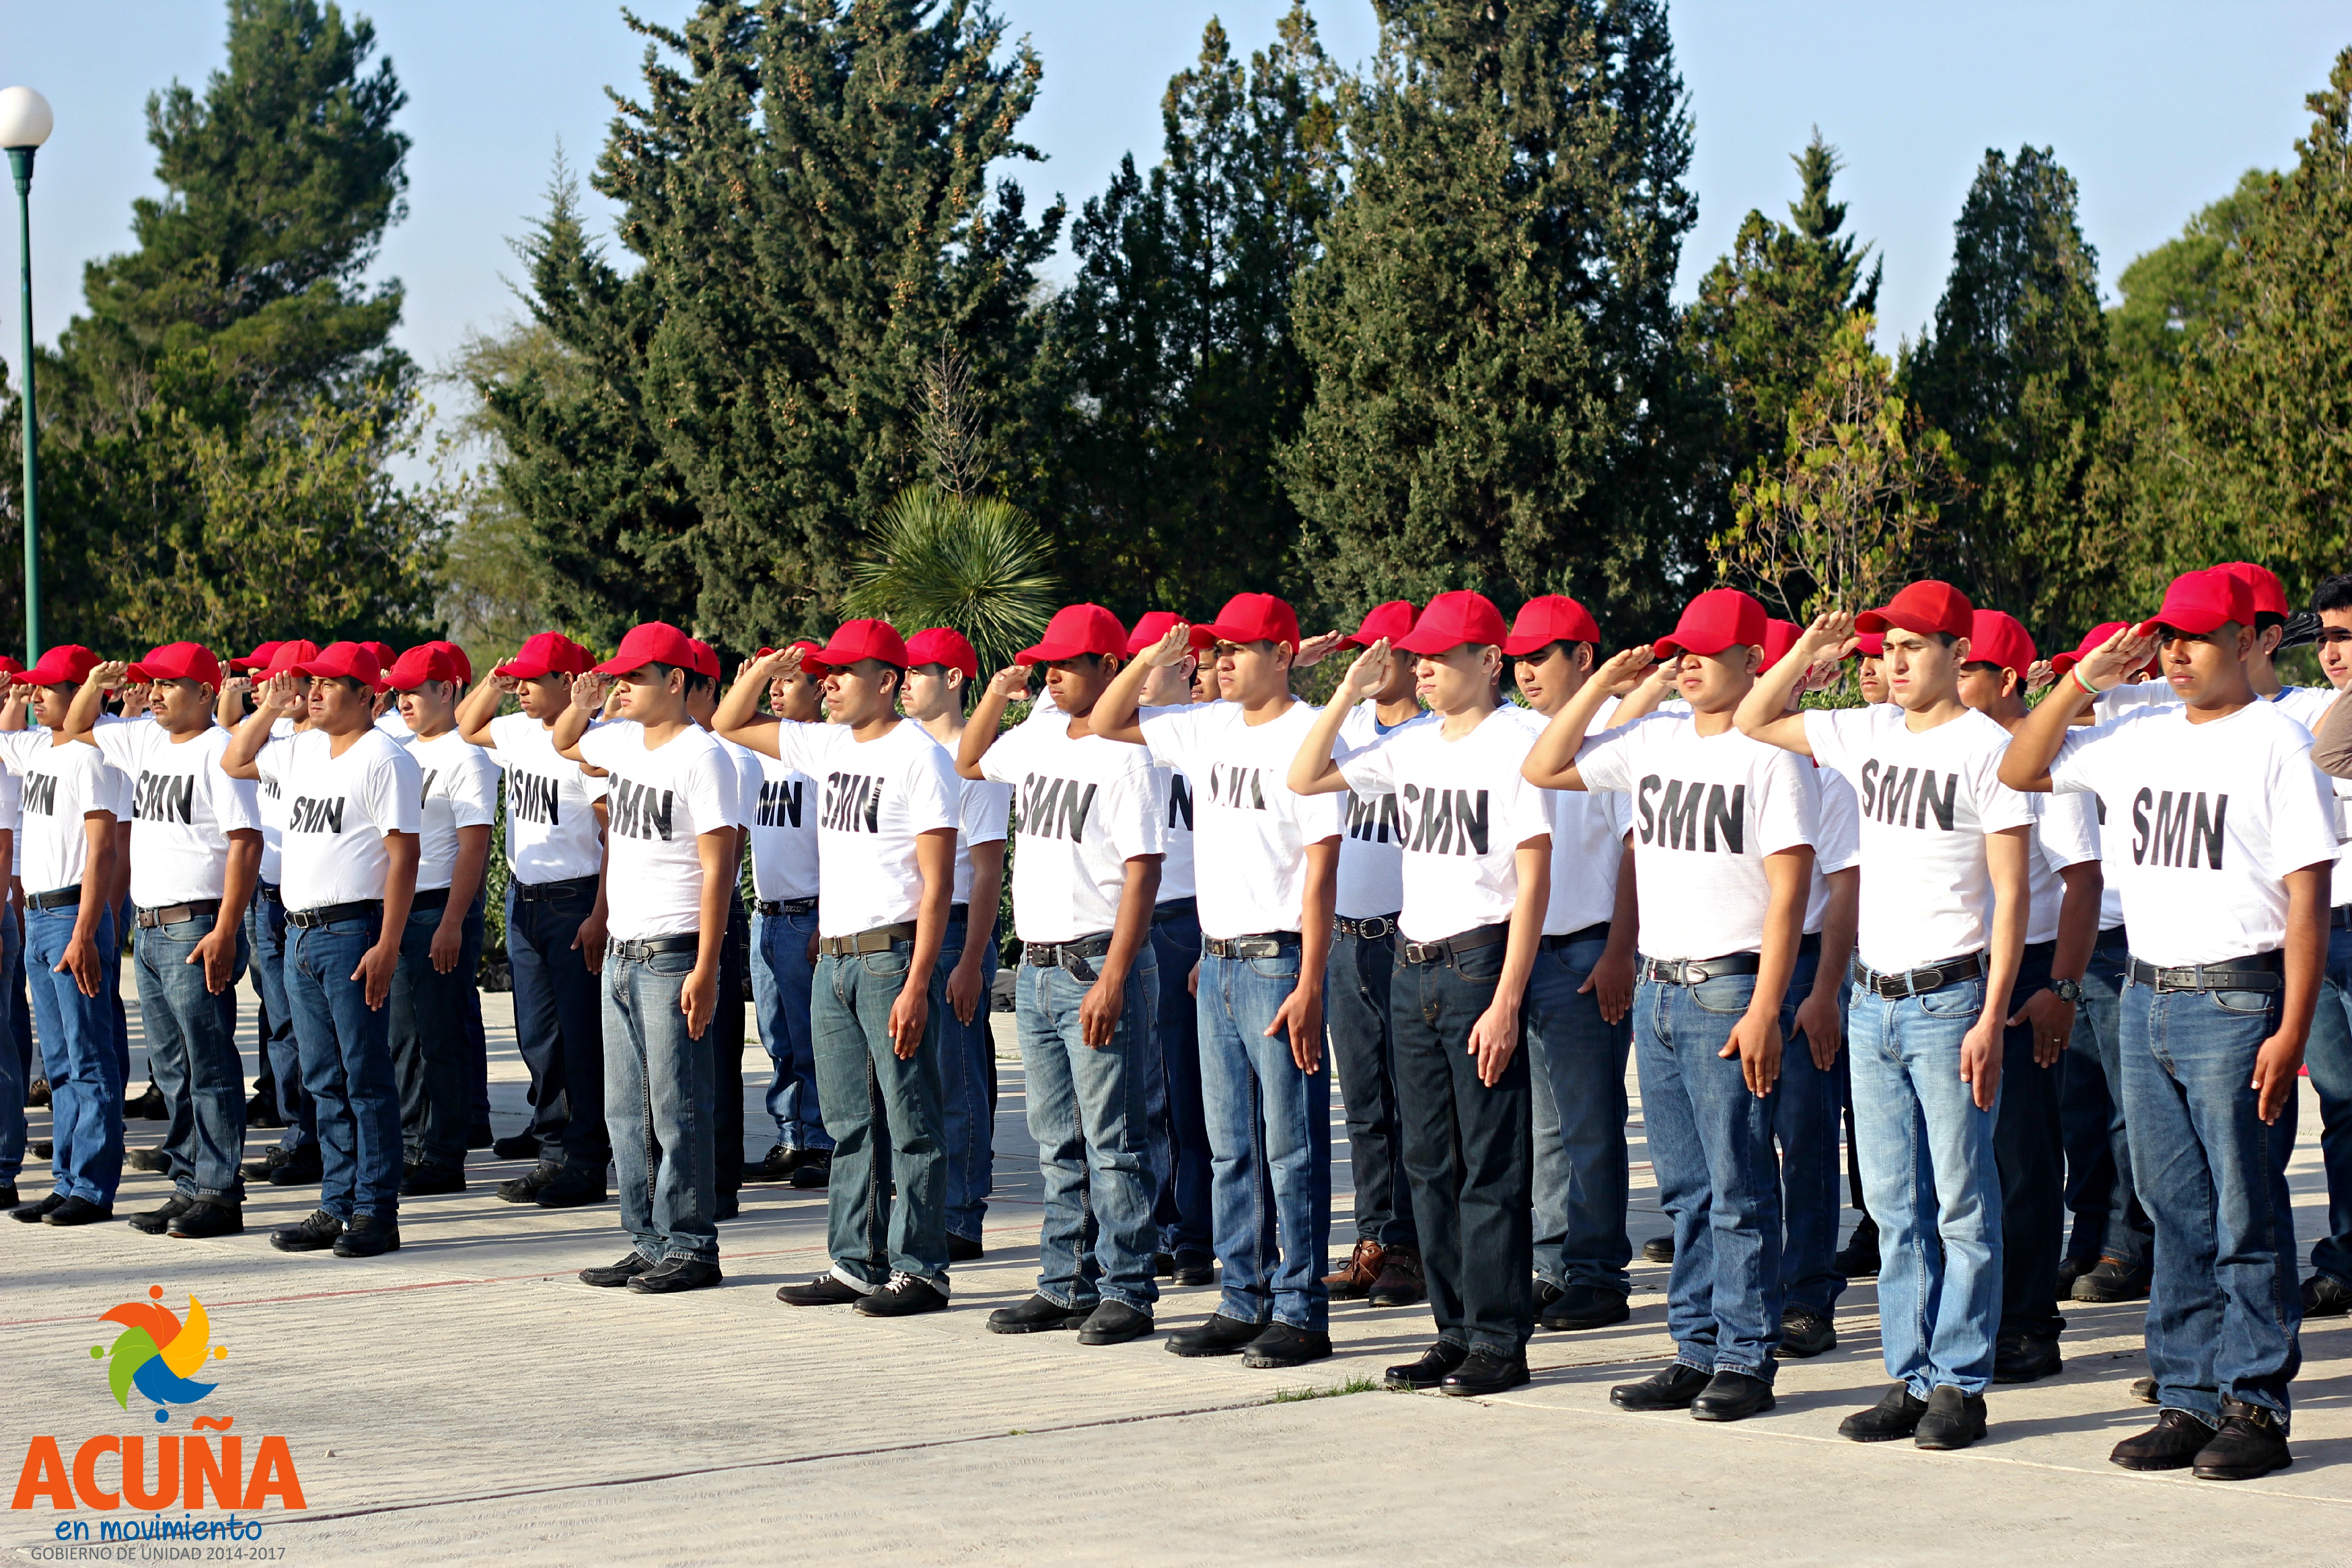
{"points": [[1489, 328]]}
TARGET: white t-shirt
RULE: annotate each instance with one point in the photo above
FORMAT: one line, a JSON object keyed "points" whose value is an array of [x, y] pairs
{"points": [[874, 799], [269, 803], [460, 790], [12, 817], [1836, 846], [1464, 810], [784, 835], [337, 812], [1087, 808], [1248, 824], [183, 808], [748, 779], [2203, 822], [1371, 848], [984, 817], [551, 803], [1707, 810], [391, 725], [1928, 801], [663, 800], [1588, 838], [2065, 833], [61, 789]]}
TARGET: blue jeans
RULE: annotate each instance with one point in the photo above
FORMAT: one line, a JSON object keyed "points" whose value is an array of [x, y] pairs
{"points": [[1468, 1154], [660, 1107], [886, 1118], [2329, 1055], [1088, 1110], [1185, 1210], [1718, 1178], [2029, 1146], [1269, 1145], [346, 1050], [1580, 1177], [77, 1054], [14, 1061], [559, 1027], [432, 1049], [2109, 1222], [192, 1054], [782, 978], [110, 958], [1934, 1185], [969, 1123], [1807, 1107], [265, 936], [2225, 1308], [1356, 983]]}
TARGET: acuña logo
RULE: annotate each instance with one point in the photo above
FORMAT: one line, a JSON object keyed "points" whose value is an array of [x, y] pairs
{"points": [[158, 1355]]}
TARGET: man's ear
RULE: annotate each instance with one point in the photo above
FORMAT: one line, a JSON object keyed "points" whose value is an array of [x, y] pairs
{"points": [[1755, 660], [1584, 657], [1959, 652]]}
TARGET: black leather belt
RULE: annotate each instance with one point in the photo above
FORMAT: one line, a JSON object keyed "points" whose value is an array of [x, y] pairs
{"points": [[1918, 981], [1810, 945], [959, 912], [2115, 936], [773, 908], [176, 914], [1455, 946], [879, 939], [54, 898], [1071, 956], [642, 948], [1371, 928], [1599, 932], [1173, 909], [1264, 944], [328, 914], [1699, 970], [2339, 917], [268, 893], [429, 899], [2258, 971], [549, 892]]}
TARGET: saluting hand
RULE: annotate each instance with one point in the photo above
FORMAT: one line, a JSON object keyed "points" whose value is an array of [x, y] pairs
{"points": [[1010, 684], [111, 674], [1367, 674], [1314, 650], [1832, 632], [588, 690], [2110, 663]]}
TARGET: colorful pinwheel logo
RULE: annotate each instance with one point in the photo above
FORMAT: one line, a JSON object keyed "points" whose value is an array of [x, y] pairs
{"points": [[156, 1352]]}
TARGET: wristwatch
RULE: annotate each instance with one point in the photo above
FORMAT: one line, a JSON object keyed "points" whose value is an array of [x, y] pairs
{"points": [[2069, 991]]}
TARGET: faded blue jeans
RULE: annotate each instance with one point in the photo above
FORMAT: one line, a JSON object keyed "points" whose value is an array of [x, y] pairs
{"points": [[2109, 1222], [661, 1109], [1582, 1176], [782, 977], [1934, 1185], [1088, 1110], [2225, 1309], [1269, 1145], [970, 1125], [2329, 1055], [887, 1119], [77, 1038], [346, 1049], [193, 1056]]}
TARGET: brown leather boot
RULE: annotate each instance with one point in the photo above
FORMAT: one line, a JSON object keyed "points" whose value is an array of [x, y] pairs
{"points": [[1351, 1283]]}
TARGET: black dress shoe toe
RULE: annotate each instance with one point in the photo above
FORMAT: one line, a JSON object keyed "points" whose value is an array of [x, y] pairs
{"points": [[1804, 1335], [2172, 1444], [964, 1249], [1658, 1250], [37, 1210], [1952, 1419], [672, 1275], [1731, 1397], [1195, 1267], [1281, 1345], [1220, 1335], [1585, 1307], [1037, 1316], [2325, 1296], [614, 1275], [368, 1236], [2247, 1443], [156, 1221], [1858, 1258], [2023, 1357], [1438, 1363], [78, 1211], [824, 1290], [1896, 1415], [1672, 1387], [208, 1218], [1114, 1323], [1484, 1372], [2113, 1281]]}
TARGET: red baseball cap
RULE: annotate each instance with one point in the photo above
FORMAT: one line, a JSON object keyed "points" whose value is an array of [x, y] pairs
{"points": [[1870, 644], [286, 655], [860, 639], [1390, 620], [68, 664], [1076, 629], [2060, 663], [1255, 617], [1717, 619], [383, 651], [1779, 636], [706, 659], [426, 661], [347, 661], [809, 650], [2270, 597], [945, 646], [257, 660], [2201, 602], [10, 664], [653, 642], [546, 653], [461, 660], [1454, 619], [1999, 638], [178, 661], [1154, 625], [1924, 607], [1548, 620]]}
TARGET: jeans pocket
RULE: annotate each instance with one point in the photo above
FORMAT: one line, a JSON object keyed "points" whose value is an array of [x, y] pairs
{"points": [[672, 965], [1962, 1000], [1726, 993], [1482, 965], [2245, 1002], [1283, 965], [887, 965]]}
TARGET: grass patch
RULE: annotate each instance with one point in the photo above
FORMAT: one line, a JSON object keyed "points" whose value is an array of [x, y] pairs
{"points": [[1357, 1384]]}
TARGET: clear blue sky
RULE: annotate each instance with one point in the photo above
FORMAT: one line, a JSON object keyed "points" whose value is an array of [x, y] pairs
{"points": [[2157, 108]]}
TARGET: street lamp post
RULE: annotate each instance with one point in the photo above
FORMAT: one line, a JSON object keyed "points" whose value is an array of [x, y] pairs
{"points": [[25, 124]]}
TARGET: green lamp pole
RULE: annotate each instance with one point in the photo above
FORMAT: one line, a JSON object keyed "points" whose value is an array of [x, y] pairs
{"points": [[24, 123]]}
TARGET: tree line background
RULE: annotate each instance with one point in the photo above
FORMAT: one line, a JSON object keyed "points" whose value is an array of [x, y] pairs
{"points": [[1349, 337]]}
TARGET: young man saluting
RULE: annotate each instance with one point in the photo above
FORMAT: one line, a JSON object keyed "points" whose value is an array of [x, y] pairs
{"points": [[2221, 837]]}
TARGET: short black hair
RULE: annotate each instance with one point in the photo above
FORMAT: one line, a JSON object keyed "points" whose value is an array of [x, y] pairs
{"points": [[2265, 619], [2333, 593], [1559, 645], [696, 682]]}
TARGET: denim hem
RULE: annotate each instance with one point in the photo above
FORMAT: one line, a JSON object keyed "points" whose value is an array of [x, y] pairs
{"points": [[846, 1273], [1147, 1305], [712, 1258], [1762, 1375], [1705, 1363], [1046, 1295]]}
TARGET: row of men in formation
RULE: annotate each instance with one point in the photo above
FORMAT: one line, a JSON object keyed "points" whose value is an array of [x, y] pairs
{"points": [[2031, 953]]}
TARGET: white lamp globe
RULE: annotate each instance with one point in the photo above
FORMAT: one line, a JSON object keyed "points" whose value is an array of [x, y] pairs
{"points": [[25, 118]]}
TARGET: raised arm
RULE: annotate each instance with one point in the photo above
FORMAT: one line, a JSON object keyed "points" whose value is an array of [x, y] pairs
{"points": [[228, 709], [89, 702], [1551, 761], [1313, 771], [1114, 716], [1764, 712], [739, 717], [2025, 765], [278, 696], [987, 716], [481, 705], [587, 701]]}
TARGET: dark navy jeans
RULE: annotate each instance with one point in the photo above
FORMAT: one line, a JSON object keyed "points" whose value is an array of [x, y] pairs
{"points": [[432, 1048], [192, 1055], [265, 939], [1808, 1109], [2028, 1144], [2329, 1055], [970, 1122], [559, 1026], [1184, 1210], [1581, 1176], [1355, 1014]]}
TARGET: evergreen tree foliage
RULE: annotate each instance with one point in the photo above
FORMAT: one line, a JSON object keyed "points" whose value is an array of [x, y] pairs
{"points": [[1488, 329]]}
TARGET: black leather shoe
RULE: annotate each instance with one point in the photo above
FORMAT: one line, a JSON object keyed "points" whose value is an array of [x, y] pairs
{"points": [[315, 1234], [1163, 1265], [78, 1211], [2247, 1443], [1037, 1316], [1195, 1267], [150, 1106], [1952, 1419], [2022, 1358], [302, 1169], [2325, 1296], [1481, 1373], [155, 1222], [1438, 1363], [1858, 1258], [1220, 1335], [1731, 1397], [1672, 1387], [2070, 1269], [261, 1111], [613, 1275], [525, 1188], [2113, 1281], [41, 1149], [825, 1291], [674, 1274], [522, 1146], [208, 1218], [426, 1181], [368, 1236], [775, 1166], [1585, 1307], [36, 1094], [1658, 1250], [37, 1210], [2172, 1444], [1114, 1323], [1280, 1345], [1804, 1335], [814, 1172], [8, 1196], [2144, 1390], [903, 1297], [964, 1249], [1896, 1415], [261, 1170], [574, 1186], [153, 1162], [1401, 1282]]}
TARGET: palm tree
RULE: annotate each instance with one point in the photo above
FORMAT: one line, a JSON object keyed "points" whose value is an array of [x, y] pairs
{"points": [[972, 562]]}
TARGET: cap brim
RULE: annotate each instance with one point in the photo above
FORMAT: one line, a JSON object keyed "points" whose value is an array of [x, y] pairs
{"points": [[1414, 642], [1041, 654], [620, 666], [1218, 634], [2148, 628], [308, 672], [1667, 648], [1872, 621], [519, 671]]}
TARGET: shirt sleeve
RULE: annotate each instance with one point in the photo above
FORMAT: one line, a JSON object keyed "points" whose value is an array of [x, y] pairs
{"points": [[599, 746], [934, 791], [1172, 735], [393, 790], [2068, 830], [2302, 813], [1605, 763], [2076, 767], [1002, 763], [1133, 822], [116, 740], [102, 788], [1839, 844], [707, 786], [800, 745], [1999, 807], [17, 747], [1832, 733], [474, 791], [237, 804], [1319, 817], [986, 808], [1371, 768], [1790, 813], [270, 761]]}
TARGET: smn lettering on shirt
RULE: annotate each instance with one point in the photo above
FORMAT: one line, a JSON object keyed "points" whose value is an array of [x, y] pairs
{"points": [[531, 798], [1676, 821], [1908, 801], [853, 802], [1374, 821], [310, 815], [1446, 821], [164, 797], [41, 794], [779, 803], [2185, 828], [1179, 801], [640, 811], [1056, 808], [1238, 789]]}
